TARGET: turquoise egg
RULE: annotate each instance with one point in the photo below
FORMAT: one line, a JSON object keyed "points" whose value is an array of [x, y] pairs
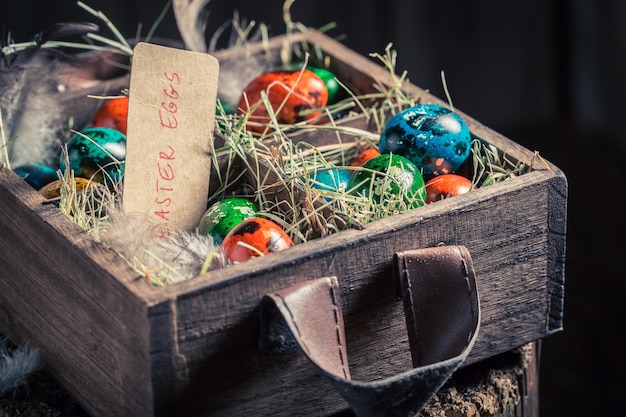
{"points": [[434, 138], [37, 175], [330, 179], [222, 216], [99, 156], [388, 178]]}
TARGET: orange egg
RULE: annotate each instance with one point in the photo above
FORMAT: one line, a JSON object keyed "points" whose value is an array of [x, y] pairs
{"points": [[294, 96], [254, 237], [446, 185], [113, 113], [365, 156]]}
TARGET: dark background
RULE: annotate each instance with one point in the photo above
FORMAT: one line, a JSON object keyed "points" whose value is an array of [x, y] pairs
{"points": [[549, 74]]}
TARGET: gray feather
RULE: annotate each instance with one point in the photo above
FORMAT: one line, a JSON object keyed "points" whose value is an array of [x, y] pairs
{"points": [[16, 364], [44, 93]]}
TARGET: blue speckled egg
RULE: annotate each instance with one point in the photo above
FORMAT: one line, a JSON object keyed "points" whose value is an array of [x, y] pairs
{"points": [[330, 179], [390, 179], [37, 175], [101, 157], [434, 138]]}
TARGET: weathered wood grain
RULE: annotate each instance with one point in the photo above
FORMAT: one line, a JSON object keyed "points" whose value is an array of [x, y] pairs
{"points": [[73, 300]]}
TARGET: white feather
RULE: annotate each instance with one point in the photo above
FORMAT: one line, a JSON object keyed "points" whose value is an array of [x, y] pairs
{"points": [[178, 258]]}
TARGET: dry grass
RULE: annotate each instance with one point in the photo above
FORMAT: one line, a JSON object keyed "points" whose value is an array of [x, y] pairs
{"points": [[273, 169]]}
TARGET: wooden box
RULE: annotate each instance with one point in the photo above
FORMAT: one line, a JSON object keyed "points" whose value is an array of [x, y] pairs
{"points": [[123, 347]]}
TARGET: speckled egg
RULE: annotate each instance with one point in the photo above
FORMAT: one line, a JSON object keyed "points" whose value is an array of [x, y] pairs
{"points": [[330, 179], [100, 155], [222, 216], [254, 237], [112, 113], [37, 175], [293, 95], [433, 137], [390, 177], [332, 85], [446, 185]]}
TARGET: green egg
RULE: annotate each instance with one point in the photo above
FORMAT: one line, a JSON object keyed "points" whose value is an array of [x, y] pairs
{"points": [[390, 178], [221, 217]]}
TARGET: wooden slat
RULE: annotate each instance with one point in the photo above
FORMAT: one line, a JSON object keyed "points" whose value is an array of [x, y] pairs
{"points": [[72, 299]]}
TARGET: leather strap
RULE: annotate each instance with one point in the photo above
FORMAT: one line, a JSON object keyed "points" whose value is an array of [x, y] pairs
{"points": [[438, 289]]}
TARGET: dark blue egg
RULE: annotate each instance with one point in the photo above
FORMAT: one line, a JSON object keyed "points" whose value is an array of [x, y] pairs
{"points": [[434, 138], [37, 175], [97, 153]]}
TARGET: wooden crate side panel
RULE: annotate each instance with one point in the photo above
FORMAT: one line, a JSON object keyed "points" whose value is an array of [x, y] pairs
{"points": [[165, 379], [507, 233], [357, 72], [557, 212], [90, 330]]}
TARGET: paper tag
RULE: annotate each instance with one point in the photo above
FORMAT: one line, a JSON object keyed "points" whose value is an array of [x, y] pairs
{"points": [[171, 116]]}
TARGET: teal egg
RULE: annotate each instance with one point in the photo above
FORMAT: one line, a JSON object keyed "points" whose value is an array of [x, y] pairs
{"points": [[37, 175], [434, 138], [222, 216], [330, 179], [390, 178], [99, 156]]}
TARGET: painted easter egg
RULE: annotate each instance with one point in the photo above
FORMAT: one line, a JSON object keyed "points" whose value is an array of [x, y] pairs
{"points": [[330, 179], [293, 96], [254, 237], [37, 175], [112, 113], [365, 156], [433, 137], [53, 189], [446, 185], [331, 82], [97, 153], [390, 177], [222, 216]]}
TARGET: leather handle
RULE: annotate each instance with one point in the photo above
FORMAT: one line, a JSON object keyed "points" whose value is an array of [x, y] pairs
{"points": [[442, 311]]}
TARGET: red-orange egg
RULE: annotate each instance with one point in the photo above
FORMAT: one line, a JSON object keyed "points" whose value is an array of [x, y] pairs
{"points": [[254, 237], [365, 156], [446, 185], [113, 113], [294, 96]]}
